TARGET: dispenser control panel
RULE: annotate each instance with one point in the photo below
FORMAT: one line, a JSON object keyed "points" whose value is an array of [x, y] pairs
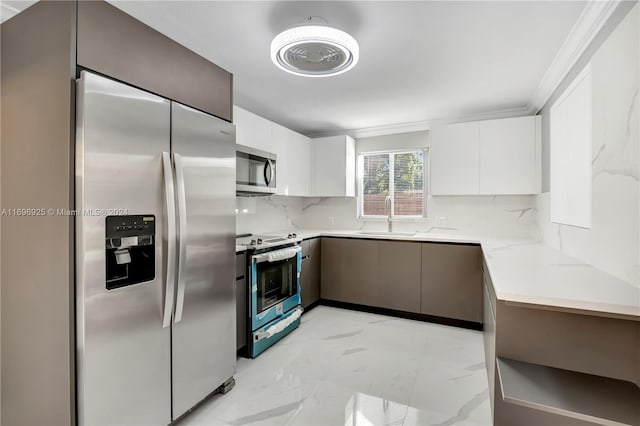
{"points": [[129, 250], [125, 226]]}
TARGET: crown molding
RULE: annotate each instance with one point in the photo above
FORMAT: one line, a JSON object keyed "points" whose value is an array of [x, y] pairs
{"points": [[593, 17], [415, 126], [489, 115], [389, 129]]}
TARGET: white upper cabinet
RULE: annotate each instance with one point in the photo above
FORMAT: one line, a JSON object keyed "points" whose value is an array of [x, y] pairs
{"points": [[252, 130], [454, 159], [293, 150], [294, 156], [571, 154], [333, 164], [510, 156], [486, 157]]}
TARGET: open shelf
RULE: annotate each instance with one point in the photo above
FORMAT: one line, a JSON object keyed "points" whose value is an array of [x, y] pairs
{"points": [[595, 399]]}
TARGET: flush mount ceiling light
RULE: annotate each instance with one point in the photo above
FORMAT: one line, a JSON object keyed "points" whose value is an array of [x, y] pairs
{"points": [[314, 50]]}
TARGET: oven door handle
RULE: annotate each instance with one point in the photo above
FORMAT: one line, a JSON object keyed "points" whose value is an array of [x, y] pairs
{"points": [[277, 255]]}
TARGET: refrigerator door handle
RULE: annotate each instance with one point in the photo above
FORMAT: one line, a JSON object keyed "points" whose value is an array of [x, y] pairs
{"points": [[169, 192], [182, 236]]}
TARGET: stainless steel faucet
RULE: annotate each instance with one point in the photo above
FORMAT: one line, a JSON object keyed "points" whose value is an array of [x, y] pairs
{"points": [[387, 208]]}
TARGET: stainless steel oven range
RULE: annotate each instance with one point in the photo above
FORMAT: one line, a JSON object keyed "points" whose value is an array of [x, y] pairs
{"points": [[274, 304]]}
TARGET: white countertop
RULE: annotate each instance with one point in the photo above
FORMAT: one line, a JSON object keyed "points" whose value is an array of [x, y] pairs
{"points": [[529, 272]]}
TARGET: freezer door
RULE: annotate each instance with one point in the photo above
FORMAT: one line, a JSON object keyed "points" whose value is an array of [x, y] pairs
{"points": [[204, 327], [123, 351]]}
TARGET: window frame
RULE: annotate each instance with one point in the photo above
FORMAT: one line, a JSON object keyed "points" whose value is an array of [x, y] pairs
{"points": [[391, 153]]}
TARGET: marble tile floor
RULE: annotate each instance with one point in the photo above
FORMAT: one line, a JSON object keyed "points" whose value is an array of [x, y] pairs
{"points": [[343, 367]]}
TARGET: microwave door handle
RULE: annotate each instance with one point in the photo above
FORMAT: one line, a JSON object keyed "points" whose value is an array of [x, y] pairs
{"points": [[169, 287], [268, 172], [182, 235]]}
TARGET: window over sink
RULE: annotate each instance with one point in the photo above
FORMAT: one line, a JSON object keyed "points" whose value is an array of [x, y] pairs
{"points": [[397, 176]]}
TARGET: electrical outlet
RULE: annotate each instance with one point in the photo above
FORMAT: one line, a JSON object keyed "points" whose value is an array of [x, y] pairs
{"points": [[332, 220], [441, 221]]}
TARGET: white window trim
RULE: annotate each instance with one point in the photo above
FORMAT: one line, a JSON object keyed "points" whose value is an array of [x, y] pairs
{"points": [[360, 186]]}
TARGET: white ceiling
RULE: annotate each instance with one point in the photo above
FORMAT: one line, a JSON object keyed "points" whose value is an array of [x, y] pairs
{"points": [[419, 60]]}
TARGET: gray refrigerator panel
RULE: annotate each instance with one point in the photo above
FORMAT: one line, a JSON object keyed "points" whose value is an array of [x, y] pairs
{"points": [[204, 326], [123, 351]]}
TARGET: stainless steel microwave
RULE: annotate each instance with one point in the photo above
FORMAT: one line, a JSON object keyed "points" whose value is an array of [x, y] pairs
{"points": [[255, 171]]}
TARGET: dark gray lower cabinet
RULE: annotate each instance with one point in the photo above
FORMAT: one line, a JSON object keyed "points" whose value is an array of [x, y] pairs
{"points": [[330, 264], [398, 283], [384, 274], [358, 271], [489, 328], [452, 281], [437, 279], [560, 367], [241, 301], [310, 274], [315, 255]]}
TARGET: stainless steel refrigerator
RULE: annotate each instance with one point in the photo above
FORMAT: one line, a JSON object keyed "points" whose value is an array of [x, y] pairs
{"points": [[155, 232]]}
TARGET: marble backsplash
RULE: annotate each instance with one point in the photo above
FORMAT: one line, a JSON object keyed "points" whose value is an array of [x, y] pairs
{"points": [[499, 216]]}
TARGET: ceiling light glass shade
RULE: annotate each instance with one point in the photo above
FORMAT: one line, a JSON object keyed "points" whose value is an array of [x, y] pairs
{"points": [[314, 51]]}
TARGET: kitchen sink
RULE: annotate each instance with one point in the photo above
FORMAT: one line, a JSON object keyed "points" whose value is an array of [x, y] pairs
{"points": [[391, 234]]}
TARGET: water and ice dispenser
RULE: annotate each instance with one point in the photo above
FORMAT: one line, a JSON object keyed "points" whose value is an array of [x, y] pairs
{"points": [[130, 250]]}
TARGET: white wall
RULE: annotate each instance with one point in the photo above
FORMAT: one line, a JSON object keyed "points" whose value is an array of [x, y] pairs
{"points": [[612, 242], [618, 15]]}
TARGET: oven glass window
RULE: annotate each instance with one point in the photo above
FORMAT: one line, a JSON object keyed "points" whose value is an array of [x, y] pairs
{"points": [[277, 281]]}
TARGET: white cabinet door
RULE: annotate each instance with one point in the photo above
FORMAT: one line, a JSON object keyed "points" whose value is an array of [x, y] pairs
{"points": [[334, 165], [571, 154], [252, 130], [454, 157], [510, 156], [350, 167], [300, 178], [279, 147], [293, 171], [294, 156]]}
